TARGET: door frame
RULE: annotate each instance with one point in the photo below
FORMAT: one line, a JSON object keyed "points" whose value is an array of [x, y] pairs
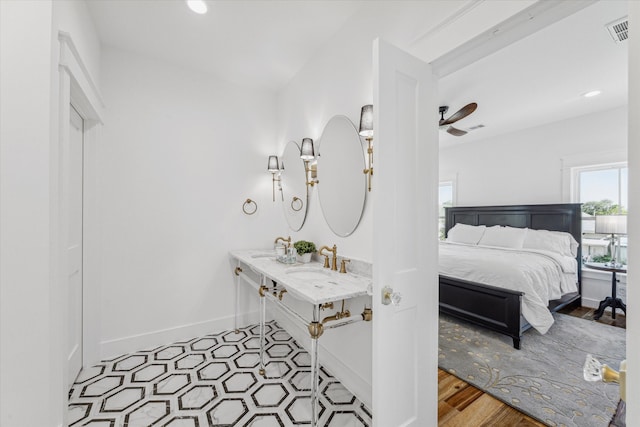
{"points": [[71, 171], [633, 163], [77, 88]]}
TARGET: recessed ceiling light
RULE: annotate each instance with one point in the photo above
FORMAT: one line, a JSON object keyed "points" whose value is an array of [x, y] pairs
{"points": [[592, 93], [198, 6]]}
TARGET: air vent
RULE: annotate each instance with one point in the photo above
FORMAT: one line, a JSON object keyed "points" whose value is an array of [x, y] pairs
{"points": [[476, 127], [619, 29]]}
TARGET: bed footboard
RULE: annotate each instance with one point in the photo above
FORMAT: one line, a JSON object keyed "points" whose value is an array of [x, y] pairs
{"points": [[488, 306]]}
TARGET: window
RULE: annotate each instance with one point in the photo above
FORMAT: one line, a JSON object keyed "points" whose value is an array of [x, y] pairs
{"points": [[445, 199], [602, 190]]}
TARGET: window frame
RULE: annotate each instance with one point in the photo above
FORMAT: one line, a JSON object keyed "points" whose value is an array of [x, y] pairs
{"points": [[575, 183], [441, 219], [575, 178]]}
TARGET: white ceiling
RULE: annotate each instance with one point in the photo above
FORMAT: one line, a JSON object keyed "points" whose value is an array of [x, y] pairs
{"points": [[540, 79], [263, 44], [253, 43]]}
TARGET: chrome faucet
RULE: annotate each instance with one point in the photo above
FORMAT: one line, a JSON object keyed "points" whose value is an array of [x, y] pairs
{"points": [[334, 258]]}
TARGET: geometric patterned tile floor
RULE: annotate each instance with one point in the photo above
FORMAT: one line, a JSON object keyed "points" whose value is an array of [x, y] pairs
{"points": [[212, 381]]}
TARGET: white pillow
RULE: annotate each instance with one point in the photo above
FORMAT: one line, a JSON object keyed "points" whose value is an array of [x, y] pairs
{"points": [[464, 233], [555, 241], [504, 237], [573, 244]]}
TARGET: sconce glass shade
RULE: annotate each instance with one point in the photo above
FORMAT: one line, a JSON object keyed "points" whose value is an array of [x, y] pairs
{"points": [[611, 224], [366, 121], [307, 151], [273, 164]]}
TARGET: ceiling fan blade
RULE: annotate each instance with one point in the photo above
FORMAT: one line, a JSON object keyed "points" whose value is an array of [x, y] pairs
{"points": [[460, 114], [456, 132]]}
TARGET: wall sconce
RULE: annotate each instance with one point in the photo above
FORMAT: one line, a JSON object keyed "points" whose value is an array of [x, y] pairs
{"points": [[308, 154], [276, 167], [366, 131]]}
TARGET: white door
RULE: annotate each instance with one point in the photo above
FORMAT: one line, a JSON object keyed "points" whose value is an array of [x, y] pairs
{"points": [[405, 255], [74, 245]]}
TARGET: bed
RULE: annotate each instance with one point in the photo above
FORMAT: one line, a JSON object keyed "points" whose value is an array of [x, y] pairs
{"points": [[496, 307]]}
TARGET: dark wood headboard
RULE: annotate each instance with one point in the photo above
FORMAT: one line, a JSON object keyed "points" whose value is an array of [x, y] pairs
{"points": [[556, 217]]}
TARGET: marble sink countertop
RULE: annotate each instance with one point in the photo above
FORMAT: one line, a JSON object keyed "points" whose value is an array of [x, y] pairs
{"points": [[310, 281]]}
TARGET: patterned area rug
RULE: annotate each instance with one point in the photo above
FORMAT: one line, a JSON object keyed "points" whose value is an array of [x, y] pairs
{"points": [[212, 381], [543, 379]]}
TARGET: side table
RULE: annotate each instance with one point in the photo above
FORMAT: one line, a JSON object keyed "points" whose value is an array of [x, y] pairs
{"points": [[613, 301]]}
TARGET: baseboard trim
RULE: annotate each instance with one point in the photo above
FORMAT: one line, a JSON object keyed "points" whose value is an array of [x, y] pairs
{"points": [[357, 385], [590, 303], [116, 347]]}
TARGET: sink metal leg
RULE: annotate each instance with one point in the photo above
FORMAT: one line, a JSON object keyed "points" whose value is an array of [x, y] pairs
{"points": [[315, 330], [314, 382], [263, 315], [237, 272]]}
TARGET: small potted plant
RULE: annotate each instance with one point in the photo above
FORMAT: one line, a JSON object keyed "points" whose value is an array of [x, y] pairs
{"points": [[304, 249]]}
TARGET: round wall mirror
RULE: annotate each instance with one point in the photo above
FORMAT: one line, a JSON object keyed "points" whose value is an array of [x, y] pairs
{"points": [[343, 187], [294, 188]]}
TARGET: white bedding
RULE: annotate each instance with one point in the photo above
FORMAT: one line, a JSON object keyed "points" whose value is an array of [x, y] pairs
{"points": [[541, 275]]}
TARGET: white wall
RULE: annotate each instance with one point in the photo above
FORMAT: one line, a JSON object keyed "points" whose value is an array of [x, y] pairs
{"points": [[336, 81], [31, 292], [526, 166], [180, 153], [633, 318], [25, 268]]}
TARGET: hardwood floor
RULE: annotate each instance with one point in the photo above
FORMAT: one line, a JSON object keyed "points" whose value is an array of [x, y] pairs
{"points": [[587, 313], [461, 404]]}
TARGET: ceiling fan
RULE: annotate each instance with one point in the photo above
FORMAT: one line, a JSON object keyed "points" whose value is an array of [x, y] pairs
{"points": [[445, 124]]}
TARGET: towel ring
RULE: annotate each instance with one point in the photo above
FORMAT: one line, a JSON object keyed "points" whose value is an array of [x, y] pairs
{"points": [[247, 204], [294, 204]]}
